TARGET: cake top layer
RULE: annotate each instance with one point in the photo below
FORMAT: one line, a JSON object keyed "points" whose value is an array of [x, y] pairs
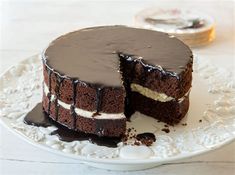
{"points": [[92, 54]]}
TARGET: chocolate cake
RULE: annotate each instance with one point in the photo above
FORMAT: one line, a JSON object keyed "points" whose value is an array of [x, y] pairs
{"points": [[96, 78]]}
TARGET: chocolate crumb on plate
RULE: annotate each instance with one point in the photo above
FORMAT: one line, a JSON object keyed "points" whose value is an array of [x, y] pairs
{"points": [[146, 138], [166, 130]]}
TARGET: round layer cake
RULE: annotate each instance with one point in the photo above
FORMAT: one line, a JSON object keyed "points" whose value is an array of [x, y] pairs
{"points": [[96, 78]]}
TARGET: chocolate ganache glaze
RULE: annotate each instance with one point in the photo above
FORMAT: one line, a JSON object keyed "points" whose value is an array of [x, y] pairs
{"points": [[94, 55]]}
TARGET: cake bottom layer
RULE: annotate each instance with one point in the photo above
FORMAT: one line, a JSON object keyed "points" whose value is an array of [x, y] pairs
{"points": [[100, 127], [170, 112]]}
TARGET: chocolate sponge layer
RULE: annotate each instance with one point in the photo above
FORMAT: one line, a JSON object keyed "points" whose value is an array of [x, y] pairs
{"points": [[112, 100], [169, 112], [100, 127]]}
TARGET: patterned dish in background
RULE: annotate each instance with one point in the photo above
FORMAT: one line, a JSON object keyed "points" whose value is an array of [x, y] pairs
{"points": [[193, 28]]}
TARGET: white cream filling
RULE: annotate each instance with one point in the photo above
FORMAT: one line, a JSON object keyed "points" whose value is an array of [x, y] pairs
{"points": [[82, 112], [162, 97]]}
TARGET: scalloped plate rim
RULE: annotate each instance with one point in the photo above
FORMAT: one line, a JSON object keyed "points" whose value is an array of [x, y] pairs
{"points": [[118, 161]]}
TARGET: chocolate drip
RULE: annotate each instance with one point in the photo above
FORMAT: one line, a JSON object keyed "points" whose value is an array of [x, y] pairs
{"points": [[72, 108], [59, 80], [95, 114], [37, 117], [49, 94], [127, 67], [99, 129], [99, 92]]}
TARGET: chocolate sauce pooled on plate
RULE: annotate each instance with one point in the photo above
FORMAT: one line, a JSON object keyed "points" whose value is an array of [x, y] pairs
{"points": [[37, 117], [68, 135]]}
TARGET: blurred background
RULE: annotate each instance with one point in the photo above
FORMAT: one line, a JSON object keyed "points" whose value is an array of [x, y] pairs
{"points": [[27, 26]]}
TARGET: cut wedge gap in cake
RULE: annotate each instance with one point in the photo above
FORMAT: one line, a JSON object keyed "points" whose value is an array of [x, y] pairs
{"points": [[153, 91]]}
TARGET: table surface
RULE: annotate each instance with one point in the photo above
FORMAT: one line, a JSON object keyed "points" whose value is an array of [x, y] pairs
{"points": [[28, 26]]}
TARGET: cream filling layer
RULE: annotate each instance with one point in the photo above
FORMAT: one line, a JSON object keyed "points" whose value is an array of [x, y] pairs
{"points": [[82, 112], [162, 97]]}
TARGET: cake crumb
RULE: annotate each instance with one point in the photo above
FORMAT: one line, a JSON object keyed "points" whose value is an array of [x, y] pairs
{"points": [[138, 139], [166, 130], [137, 143], [147, 142], [146, 138]]}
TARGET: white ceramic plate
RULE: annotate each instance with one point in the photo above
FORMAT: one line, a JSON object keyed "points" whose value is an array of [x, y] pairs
{"points": [[212, 101]]}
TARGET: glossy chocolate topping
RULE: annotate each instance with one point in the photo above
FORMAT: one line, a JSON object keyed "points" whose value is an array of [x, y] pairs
{"points": [[93, 54]]}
